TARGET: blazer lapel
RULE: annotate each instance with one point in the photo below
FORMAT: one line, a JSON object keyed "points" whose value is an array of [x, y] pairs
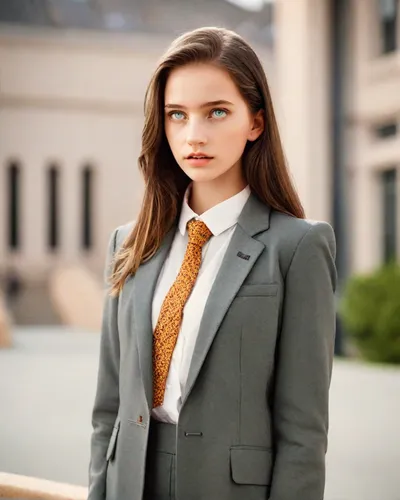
{"points": [[143, 285], [241, 255]]}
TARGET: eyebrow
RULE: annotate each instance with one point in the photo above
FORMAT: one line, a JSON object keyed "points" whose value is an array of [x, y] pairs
{"points": [[205, 105]]}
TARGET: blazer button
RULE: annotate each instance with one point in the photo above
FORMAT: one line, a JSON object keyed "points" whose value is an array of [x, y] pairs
{"points": [[140, 419]]}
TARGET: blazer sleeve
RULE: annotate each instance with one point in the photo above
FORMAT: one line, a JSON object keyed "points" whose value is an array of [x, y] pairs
{"points": [[304, 367], [106, 402]]}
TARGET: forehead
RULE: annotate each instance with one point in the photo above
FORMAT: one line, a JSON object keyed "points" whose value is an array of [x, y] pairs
{"points": [[195, 84]]}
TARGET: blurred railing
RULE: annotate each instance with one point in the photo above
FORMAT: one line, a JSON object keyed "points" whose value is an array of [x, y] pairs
{"points": [[24, 488]]}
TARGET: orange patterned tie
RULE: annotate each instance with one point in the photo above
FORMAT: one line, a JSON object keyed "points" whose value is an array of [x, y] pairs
{"points": [[170, 318]]}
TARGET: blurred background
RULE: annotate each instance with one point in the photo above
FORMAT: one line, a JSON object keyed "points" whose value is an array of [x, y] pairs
{"points": [[73, 74]]}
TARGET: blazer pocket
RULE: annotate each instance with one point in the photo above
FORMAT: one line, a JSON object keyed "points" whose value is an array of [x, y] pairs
{"points": [[113, 441], [262, 290], [251, 465]]}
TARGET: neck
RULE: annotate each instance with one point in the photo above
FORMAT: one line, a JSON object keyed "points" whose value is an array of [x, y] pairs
{"points": [[205, 195]]}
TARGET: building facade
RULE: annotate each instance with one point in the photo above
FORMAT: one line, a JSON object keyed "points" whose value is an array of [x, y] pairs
{"points": [[338, 84], [70, 130], [72, 112], [373, 129]]}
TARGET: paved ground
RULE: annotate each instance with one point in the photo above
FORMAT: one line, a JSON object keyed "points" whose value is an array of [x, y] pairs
{"points": [[47, 384]]}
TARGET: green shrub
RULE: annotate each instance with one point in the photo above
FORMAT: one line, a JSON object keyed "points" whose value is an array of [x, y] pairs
{"points": [[370, 311]]}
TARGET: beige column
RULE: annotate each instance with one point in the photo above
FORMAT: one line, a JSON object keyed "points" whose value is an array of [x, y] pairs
{"points": [[303, 90], [366, 236], [71, 210], [33, 214]]}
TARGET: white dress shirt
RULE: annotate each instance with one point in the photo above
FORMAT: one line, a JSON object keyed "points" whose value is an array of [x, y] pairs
{"points": [[221, 220]]}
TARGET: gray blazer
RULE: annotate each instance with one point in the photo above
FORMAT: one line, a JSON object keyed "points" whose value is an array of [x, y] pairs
{"points": [[259, 377]]}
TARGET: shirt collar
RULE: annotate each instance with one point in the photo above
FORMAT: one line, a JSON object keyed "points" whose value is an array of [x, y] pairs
{"points": [[218, 218]]}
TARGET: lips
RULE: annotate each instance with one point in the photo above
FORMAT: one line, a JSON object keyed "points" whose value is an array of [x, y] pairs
{"points": [[199, 156]]}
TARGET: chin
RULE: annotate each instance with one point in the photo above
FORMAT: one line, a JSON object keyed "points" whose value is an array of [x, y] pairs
{"points": [[202, 175]]}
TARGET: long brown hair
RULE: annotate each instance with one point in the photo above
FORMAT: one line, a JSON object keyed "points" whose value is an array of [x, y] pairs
{"points": [[165, 182]]}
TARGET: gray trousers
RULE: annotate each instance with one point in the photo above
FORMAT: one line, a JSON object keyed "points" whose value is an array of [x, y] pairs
{"points": [[160, 463]]}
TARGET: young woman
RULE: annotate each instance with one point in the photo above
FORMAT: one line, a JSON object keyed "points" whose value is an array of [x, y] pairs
{"points": [[218, 332]]}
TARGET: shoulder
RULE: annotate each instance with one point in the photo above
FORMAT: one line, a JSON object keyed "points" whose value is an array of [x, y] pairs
{"points": [[119, 235], [292, 235], [122, 232], [295, 230]]}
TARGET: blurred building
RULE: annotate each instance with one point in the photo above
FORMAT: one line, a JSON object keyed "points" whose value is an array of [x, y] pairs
{"points": [[338, 79], [373, 133], [72, 80]]}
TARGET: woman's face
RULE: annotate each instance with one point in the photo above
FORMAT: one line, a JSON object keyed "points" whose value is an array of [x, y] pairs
{"points": [[207, 122]]}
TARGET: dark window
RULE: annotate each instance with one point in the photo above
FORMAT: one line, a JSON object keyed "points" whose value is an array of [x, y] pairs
{"points": [[388, 12], [87, 207], [386, 130], [389, 181], [14, 205], [53, 187]]}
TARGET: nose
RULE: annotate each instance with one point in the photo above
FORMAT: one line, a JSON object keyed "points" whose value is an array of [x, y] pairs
{"points": [[196, 133]]}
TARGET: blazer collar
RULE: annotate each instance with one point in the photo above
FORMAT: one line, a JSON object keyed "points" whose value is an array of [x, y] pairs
{"points": [[255, 216]]}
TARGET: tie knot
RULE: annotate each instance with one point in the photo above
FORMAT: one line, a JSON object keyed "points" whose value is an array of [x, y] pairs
{"points": [[198, 231]]}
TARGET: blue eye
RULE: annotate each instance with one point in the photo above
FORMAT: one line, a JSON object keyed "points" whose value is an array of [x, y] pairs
{"points": [[177, 115], [219, 113]]}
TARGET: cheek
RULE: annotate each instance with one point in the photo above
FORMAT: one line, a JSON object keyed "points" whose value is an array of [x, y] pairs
{"points": [[172, 130], [176, 138], [234, 138]]}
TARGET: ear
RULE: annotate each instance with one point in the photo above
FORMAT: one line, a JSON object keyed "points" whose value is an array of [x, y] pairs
{"points": [[257, 127]]}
